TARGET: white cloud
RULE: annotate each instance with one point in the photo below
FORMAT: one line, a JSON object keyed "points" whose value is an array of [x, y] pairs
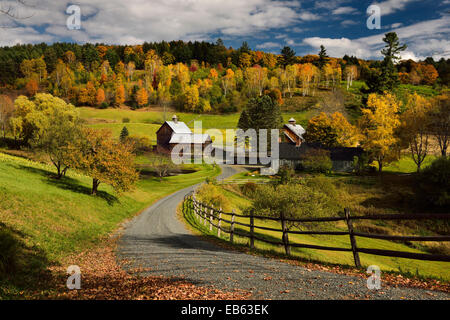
{"points": [[391, 6], [428, 38], [268, 45], [134, 21], [344, 10], [308, 16], [347, 23]]}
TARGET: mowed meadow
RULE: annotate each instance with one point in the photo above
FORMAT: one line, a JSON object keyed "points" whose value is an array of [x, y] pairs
{"points": [[145, 122]]}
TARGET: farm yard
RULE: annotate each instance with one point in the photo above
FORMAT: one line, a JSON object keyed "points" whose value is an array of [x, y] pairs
{"points": [[87, 179]]}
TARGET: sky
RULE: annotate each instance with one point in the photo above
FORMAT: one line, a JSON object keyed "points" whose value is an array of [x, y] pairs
{"points": [[267, 25]]}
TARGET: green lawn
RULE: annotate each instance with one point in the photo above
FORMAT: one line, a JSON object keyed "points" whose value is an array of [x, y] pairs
{"points": [[407, 165], [422, 268], [209, 121], [52, 219]]}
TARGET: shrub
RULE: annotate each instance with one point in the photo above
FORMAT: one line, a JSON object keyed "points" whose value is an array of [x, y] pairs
{"points": [[212, 195], [292, 201], [434, 183], [141, 144], [126, 120], [317, 160], [285, 173], [249, 189], [104, 105]]}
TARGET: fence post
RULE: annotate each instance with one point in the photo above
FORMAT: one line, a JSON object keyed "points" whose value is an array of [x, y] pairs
{"points": [[219, 223], [352, 238], [285, 236], [211, 218], [252, 230], [232, 226]]}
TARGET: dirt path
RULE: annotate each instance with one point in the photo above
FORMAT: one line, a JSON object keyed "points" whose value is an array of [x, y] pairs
{"points": [[157, 240]]}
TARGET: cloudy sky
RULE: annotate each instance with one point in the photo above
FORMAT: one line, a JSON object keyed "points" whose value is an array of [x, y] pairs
{"points": [[268, 25]]}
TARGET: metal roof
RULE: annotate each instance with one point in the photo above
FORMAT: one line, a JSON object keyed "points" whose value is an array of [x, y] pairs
{"points": [[296, 129], [179, 127]]}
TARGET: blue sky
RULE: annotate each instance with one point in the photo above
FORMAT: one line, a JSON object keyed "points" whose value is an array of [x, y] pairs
{"points": [[267, 25]]}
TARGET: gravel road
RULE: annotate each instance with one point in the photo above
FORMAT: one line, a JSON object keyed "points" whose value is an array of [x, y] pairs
{"points": [[159, 242]]}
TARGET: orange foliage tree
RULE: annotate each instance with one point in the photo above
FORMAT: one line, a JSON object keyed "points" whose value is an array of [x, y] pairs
{"points": [[142, 97], [120, 94], [32, 87]]}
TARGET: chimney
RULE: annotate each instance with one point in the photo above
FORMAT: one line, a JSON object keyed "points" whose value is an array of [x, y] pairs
{"points": [[175, 118], [292, 121]]}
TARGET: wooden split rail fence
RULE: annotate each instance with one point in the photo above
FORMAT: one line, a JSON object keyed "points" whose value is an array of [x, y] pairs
{"points": [[213, 217]]}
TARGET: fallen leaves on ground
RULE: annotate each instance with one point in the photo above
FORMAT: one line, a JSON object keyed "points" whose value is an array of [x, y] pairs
{"points": [[103, 278]]}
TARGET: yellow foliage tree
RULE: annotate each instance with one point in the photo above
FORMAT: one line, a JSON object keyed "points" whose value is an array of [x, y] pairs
{"points": [[104, 159], [378, 125], [191, 101], [415, 127]]}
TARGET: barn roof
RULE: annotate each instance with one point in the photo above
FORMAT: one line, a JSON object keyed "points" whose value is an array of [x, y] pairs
{"points": [[297, 129], [179, 127]]}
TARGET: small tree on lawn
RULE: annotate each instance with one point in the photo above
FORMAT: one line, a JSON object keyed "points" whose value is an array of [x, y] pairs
{"points": [[106, 160], [124, 134], [58, 138], [161, 164]]}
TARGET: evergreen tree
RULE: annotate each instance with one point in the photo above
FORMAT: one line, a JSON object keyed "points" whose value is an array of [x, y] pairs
{"points": [[261, 113], [323, 58], [386, 79], [124, 134], [287, 57]]}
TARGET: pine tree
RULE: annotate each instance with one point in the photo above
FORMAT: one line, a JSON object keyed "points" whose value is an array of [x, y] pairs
{"points": [[386, 79], [287, 57], [323, 58], [124, 134]]}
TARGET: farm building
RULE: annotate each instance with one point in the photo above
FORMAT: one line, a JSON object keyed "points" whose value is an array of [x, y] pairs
{"points": [[342, 158], [175, 132], [293, 133], [293, 149]]}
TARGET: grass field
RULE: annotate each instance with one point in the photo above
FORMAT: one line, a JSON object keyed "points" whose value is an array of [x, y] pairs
{"points": [[146, 123], [51, 219], [423, 269]]}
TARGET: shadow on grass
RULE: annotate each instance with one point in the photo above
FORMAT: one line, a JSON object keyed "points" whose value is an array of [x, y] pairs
{"points": [[22, 267], [67, 183]]}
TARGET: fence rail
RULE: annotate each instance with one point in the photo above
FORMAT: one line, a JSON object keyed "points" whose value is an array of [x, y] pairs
{"points": [[213, 217]]}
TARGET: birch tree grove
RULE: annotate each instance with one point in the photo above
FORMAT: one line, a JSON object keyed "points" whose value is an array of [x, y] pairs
{"points": [[350, 73]]}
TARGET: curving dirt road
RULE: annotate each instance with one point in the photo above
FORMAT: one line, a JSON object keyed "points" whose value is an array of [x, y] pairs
{"points": [[158, 241]]}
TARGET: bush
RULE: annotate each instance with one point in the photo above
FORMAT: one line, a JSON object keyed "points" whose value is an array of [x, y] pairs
{"points": [[434, 183], [8, 252], [141, 144], [293, 201], [126, 120], [249, 189], [286, 173], [104, 105], [317, 160], [212, 195]]}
